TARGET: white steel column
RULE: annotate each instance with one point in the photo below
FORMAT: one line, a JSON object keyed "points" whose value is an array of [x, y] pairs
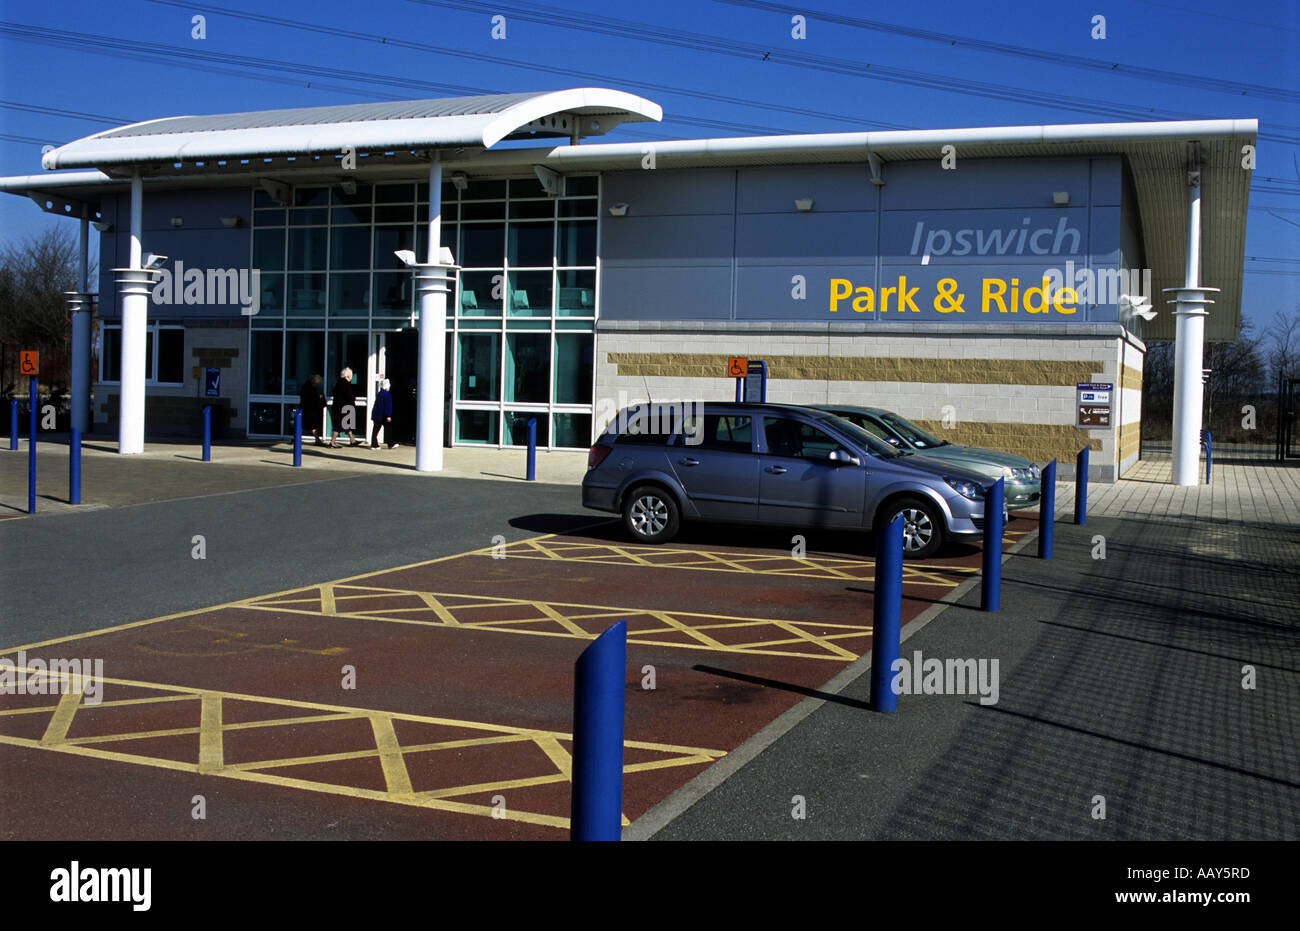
{"points": [[431, 280], [1189, 347], [79, 302], [135, 284]]}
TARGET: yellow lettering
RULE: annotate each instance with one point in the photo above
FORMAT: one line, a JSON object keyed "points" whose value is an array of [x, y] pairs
{"points": [[840, 289], [865, 302], [989, 294], [1061, 299]]}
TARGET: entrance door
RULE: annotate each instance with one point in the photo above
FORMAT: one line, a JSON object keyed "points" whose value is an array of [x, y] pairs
{"points": [[403, 361]]}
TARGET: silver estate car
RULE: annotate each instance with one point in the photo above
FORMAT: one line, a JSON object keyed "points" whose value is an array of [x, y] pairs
{"points": [[773, 464], [1022, 480]]}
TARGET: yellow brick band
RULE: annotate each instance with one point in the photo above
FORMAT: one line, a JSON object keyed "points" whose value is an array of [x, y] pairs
{"points": [[857, 368], [1039, 442], [1132, 378]]}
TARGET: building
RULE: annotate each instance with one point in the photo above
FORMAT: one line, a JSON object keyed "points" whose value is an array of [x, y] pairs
{"points": [[970, 279]]}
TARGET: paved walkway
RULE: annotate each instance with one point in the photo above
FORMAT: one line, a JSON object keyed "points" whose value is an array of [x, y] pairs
{"points": [[1256, 492], [170, 471], [1147, 688]]}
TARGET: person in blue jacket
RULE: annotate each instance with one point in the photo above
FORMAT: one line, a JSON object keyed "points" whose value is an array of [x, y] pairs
{"points": [[382, 416]]}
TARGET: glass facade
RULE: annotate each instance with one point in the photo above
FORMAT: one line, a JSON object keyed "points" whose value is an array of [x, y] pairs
{"points": [[521, 323]]}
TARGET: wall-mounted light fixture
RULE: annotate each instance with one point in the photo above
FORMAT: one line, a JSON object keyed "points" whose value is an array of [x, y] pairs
{"points": [[349, 187], [459, 181], [1061, 198], [103, 226], [230, 222], [178, 221], [618, 210], [154, 262], [804, 204]]}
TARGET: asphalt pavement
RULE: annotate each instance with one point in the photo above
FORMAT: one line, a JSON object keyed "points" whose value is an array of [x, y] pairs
{"points": [[1147, 678]]}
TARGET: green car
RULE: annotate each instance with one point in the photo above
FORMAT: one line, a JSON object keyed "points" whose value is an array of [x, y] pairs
{"points": [[1023, 481]]}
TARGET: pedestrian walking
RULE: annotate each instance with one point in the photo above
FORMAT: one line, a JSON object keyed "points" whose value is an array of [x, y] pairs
{"points": [[382, 416], [344, 409], [311, 401]]}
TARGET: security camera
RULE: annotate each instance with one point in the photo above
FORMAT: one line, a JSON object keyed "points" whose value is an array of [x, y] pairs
{"points": [[618, 210], [152, 262]]}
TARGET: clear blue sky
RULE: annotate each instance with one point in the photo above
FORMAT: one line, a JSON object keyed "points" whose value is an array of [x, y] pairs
{"points": [[129, 60]]}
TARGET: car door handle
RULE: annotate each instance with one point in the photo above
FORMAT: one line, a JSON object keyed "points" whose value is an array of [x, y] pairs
{"points": [[688, 462], [776, 470]]}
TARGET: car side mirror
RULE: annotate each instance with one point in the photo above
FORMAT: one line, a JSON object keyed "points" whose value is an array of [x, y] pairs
{"points": [[844, 457]]}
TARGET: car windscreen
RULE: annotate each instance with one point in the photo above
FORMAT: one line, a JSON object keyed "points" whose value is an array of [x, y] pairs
{"points": [[876, 445], [911, 433]]}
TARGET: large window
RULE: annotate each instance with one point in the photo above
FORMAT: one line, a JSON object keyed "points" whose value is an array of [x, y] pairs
{"points": [[164, 355], [521, 320]]}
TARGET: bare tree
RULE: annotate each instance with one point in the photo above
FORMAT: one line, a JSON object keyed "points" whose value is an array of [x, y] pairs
{"points": [[34, 275], [1282, 344]]}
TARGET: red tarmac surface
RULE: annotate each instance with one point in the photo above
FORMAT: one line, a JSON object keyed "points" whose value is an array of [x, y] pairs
{"points": [[459, 723]]}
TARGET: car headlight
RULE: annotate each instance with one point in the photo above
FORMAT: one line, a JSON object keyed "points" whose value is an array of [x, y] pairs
{"points": [[1022, 476], [966, 489]]}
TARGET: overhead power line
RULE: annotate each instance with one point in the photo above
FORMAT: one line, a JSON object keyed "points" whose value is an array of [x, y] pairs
{"points": [[218, 62], [583, 21], [586, 76], [1176, 78]]}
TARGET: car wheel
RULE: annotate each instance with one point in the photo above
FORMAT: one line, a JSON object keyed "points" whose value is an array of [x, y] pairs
{"points": [[922, 526], [650, 514]]}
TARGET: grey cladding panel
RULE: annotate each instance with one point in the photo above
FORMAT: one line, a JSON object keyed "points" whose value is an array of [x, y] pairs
{"points": [[1020, 182], [813, 238], [832, 187], [687, 240], [665, 293], [654, 193], [768, 292]]}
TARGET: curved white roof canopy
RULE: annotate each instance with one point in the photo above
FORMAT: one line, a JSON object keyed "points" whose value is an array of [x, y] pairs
{"points": [[400, 126]]}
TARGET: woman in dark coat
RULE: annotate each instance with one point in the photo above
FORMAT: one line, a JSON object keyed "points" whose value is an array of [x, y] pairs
{"points": [[312, 404], [383, 416], [344, 410]]}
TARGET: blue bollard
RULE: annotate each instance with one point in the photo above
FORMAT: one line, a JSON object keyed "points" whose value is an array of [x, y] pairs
{"points": [[1208, 443], [991, 581], [207, 433], [13, 424], [886, 610], [74, 466], [31, 451], [596, 807], [1047, 511], [297, 438], [1081, 487], [532, 450]]}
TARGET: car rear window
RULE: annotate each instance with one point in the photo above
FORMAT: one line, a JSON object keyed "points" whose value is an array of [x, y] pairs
{"points": [[725, 432]]}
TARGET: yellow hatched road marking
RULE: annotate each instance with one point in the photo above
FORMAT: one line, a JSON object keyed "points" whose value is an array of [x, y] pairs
{"points": [[390, 752], [57, 730], [396, 777], [211, 748], [456, 609], [819, 567]]}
